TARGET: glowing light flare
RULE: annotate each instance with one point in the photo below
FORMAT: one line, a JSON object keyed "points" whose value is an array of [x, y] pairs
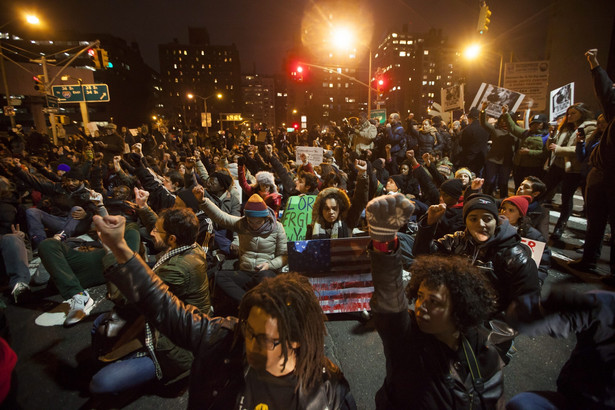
{"points": [[32, 19], [342, 38], [472, 51]]}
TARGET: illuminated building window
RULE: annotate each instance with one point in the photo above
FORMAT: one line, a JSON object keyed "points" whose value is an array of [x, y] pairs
{"points": [[426, 52], [402, 53]]}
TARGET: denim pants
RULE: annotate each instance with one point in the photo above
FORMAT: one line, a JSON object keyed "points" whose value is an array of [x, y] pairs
{"points": [[496, 174], [538, 400], [15, 259], [122, 375], [237, 283], [39, 220], [71, 270]]}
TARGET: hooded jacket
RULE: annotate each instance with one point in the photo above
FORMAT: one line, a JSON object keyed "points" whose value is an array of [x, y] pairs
{"points": [[565, 155], [506, 261]]}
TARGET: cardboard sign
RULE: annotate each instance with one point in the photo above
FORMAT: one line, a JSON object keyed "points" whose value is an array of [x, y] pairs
{"points": [[297, 216], [530, 78], [452, 98], [313, 154], [536, 247], [561, 99], [497, 97], [338, 269]]}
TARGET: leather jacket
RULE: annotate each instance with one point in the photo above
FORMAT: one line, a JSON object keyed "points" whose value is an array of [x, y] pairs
{"points": [[217, 376], [503, 258]]}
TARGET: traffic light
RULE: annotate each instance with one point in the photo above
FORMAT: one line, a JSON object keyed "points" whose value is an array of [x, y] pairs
{"points": [[39, 83], [381, 83], [297, 72], [484, 18], [94, 57], [296, 125], [104, 59]]}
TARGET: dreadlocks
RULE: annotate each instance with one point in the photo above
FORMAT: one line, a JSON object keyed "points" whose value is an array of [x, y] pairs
{"points": [[290, 299]]}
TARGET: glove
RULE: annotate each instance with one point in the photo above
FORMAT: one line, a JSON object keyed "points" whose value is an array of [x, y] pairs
{"points": [[386, 214]]}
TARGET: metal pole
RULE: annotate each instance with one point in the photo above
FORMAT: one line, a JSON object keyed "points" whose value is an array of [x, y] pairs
{"points": [[52, 116], [500, 72], [206, 122], [83, 106], [7, 94], [369, 85]]}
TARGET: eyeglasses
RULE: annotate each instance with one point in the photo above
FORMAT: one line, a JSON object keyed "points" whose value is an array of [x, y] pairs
{"points": [[263, 340], [156, 230]]}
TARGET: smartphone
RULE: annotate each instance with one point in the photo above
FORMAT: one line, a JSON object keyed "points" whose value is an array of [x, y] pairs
{"points": [[581, 132]]}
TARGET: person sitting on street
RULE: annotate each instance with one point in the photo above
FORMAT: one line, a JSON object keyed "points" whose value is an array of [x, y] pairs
{"points": [[183, 268], [437, 357], [539, 216], [280, 358]]}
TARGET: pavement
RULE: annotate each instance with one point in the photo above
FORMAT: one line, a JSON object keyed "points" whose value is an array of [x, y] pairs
{"points": [[56, 363]]}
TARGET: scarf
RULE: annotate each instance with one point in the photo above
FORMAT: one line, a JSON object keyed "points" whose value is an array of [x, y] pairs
{"points": [[265, 228], [319, 230]]}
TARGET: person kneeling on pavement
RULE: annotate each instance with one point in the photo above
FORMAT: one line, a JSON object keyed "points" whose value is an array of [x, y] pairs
{"points": [[272, 355], [437, 356]]}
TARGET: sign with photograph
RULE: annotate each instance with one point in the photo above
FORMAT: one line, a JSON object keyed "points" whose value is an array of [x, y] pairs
{"points": [[452, 98], [561, 99], [312, 154], [497, 98], [530, 78]]}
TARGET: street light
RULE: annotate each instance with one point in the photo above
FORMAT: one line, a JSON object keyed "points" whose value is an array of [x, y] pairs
{"points": [[217, 95], [31, 19], [474, 50]]}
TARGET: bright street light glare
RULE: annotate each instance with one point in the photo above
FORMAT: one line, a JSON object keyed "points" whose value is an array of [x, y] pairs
{"points": [[32, 19], [219, 96], [191, 96], [342, 38], [471, 52]]}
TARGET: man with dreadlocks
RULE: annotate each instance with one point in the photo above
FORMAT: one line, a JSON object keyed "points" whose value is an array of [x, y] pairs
{"points": [[272, 356]]}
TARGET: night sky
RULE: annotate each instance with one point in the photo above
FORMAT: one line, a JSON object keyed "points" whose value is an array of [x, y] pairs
{"points": [[264, 30]]}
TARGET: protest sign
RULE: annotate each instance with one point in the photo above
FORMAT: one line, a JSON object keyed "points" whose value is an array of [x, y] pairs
{"points": [[530, 78], [297, 216], [452, 98], [561, 99], [313, 154], [536, 247], [497, 97], [338, 269]]}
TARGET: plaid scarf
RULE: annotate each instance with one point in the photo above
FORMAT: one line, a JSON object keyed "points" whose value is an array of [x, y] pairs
{"points": [[149, 334]]}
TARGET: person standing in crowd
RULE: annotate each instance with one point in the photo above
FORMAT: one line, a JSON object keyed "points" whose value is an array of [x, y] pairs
{"points": [[531, 153], [600, 191], [436, 356], [396, 137], [474, 144], [498, 162], [564, 166], [426, 137], [279, 362]]}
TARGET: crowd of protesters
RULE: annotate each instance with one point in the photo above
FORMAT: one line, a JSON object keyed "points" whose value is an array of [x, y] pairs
{"points": [[162, 210]]}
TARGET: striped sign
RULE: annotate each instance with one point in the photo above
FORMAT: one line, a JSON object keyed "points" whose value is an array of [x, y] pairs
{"points": [[338, 269]]}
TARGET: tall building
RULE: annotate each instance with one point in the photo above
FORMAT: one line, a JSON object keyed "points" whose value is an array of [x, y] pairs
{"points": [[259, 98], [203, 70], [414, 68]]}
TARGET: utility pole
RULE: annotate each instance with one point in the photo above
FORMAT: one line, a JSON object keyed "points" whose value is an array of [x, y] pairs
{"points": [[7, 94]]}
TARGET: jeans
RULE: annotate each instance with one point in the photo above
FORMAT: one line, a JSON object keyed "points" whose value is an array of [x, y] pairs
{"points": [[72, 270], [15, 259], [123, 374], [39, 220], [237, 283], [538, 400], [496, 173]]}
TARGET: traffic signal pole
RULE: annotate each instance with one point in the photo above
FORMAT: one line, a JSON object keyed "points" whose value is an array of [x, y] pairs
{"points": [[6, 86]]}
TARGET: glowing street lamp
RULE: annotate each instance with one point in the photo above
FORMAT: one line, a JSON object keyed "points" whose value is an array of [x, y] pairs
{"points": [[342, 37], [217, 95], [32, 19], [473, 51]]}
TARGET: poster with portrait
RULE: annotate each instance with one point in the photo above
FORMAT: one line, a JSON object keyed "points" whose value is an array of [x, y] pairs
{"points": [[561, 99], [312, 154], [452, 98], [497, 97]]}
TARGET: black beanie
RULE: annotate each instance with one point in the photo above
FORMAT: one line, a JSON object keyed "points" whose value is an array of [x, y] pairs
{"points": [[453, 187], [480, 201], [399, 181], [225, 180]]}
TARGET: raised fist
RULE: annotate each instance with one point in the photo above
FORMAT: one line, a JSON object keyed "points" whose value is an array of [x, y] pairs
{"points": [[386, 214]]}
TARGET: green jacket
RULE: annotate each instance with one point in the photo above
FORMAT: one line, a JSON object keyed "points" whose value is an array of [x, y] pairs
{"points": [[537, 155]]}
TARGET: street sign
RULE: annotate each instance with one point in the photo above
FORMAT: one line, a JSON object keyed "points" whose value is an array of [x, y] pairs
{"points": [[380, 115], [51, 110], [52, 101], [231, 117], [76, 93], [205, 119]]}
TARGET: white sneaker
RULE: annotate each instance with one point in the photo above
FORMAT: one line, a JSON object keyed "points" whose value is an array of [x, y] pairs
{"points": [[80, 307], [21, 292]]}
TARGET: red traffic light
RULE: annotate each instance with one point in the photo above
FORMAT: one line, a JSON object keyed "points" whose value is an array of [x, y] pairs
{"points": [[296, 125], [91, 52]]}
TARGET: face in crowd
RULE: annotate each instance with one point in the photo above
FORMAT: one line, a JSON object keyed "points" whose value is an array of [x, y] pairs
{"points": [[433, 308], [481, 225], [330, 210], [255, 222], [511, 212], [525, 188]]}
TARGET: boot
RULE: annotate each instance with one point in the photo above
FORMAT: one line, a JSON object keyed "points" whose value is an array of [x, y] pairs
{"points": [[558, 231]]}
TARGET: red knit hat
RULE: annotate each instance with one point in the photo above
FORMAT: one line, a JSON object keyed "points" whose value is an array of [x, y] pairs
{"points": [[522, 202], [256, 207]]}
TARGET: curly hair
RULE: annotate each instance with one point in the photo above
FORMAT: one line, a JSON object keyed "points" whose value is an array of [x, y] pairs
{"points": [[472, 297], [290, 299]]}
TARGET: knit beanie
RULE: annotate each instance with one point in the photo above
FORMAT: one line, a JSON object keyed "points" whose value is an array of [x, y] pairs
{"points": [[522, 202], [399, 181], [444, 169], [480, 201], [225, 180], [64, 167], [256, 207], [452, 187], [265, 177], [462, 171]]}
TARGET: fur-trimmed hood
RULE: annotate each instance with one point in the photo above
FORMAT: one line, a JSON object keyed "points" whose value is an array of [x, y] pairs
{"points": [[340, 196]]}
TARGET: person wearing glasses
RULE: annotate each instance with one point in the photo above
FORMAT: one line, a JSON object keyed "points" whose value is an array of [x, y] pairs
{"points": [[271, 356]]}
